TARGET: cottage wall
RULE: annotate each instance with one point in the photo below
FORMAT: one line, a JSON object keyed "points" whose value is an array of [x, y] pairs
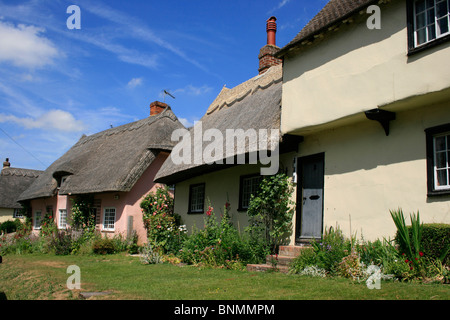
{"points": [[328, 86], [354, 69]]}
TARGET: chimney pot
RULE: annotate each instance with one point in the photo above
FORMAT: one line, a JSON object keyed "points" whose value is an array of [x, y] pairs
{"points": [[6, 164], [267, 53], [157, 107], [271, 30]]}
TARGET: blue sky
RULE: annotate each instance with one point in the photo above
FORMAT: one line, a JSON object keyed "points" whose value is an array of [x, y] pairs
{"points": [[57, 84]]}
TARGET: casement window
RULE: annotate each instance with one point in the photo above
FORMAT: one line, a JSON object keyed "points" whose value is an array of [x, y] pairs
{"points": [[37, 219], [18, 214], [428, 22], [438, 160], [248, 185], [62, 219], [196, 198], [109, 219]]}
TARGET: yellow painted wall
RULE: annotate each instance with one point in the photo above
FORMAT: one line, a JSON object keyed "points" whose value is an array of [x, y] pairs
{"points": [[368, 173], [219, 186], [356, 69], [6, 214]]}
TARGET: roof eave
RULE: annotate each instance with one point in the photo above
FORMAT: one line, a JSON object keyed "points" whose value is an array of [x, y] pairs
{"points": [[298, 43]]}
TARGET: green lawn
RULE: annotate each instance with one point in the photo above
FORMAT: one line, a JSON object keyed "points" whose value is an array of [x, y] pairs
{"points": [[33, 277]]}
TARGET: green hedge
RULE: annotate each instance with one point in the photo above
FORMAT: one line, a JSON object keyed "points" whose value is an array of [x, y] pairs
{"points": [[9, 226], [435, 239]]}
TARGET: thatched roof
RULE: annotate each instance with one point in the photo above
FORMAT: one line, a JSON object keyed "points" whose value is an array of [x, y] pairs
{"points": [[111, 160], [254, 104], [334, 12], [14, 181]]}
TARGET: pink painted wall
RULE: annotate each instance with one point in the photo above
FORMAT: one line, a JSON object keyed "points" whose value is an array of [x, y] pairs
{"points": [[127, 204]]}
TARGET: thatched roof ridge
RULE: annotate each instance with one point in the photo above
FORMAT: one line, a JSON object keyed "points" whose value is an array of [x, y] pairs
{"points": [[111, 160], [334, 12], [13, 181], [227, 97], [254, 104]]}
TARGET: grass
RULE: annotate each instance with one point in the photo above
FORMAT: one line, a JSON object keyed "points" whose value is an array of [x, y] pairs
{"points": [[43, 277]]}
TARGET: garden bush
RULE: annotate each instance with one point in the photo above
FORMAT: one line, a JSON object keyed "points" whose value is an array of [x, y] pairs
{"points": [[164, 230], [272, 209], [435, 241], [103, 246], [220, 245], [10, 226]]}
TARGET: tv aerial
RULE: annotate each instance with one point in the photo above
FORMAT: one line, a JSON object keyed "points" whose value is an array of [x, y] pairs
{"points": [[167, 93]]}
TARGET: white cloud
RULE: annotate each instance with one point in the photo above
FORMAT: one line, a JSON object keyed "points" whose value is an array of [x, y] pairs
{"points": [[193, 90], [25, 47], [280, 5], [185, 122], [58, 120], [133, 83]]}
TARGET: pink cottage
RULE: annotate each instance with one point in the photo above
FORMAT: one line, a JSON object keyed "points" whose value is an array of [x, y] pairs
{"points": [[116, 167]]}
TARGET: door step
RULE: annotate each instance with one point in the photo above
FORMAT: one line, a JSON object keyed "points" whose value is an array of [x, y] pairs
{"points": [[279, 262]]}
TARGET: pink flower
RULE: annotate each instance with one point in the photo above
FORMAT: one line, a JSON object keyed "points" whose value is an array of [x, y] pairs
{"points": [[154, 213], [209, 212]]}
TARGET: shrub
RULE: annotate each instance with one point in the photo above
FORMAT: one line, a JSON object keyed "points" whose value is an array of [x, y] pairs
{"points": [[103, 246], [332, 247], [61, 243], [162, 224], [306, 258], [10, 226], [150, 256], [435, 241], [220, 245], [273, 209]]}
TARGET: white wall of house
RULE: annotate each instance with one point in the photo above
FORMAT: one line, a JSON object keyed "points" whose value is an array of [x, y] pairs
{"points": [[327, 87], [368, 173], [355, 69]]}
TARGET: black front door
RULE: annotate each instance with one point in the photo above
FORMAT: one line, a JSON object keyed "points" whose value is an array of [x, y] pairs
{"points": [[310, 197]]}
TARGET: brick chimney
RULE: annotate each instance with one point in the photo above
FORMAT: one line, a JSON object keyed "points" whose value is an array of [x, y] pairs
{"points": [[157, 107], [6, 164], [267, 53]]}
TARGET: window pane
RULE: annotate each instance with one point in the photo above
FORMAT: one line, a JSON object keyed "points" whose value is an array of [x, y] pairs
{"points": [[197, 198], [431, 32], [430, 16], [420, 20], [430, 3], [442, 9], [420, 6], [440, 143], [441, 177], [443, 25], [441, 161], [421, 36]]}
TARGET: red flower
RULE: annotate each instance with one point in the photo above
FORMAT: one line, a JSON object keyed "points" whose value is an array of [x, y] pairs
{"points": [[421, 253], [209, 212], [406, 260]]}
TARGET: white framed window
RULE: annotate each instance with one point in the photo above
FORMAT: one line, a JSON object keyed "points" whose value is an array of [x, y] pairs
{"points": [[441, 156], [248, 185], [109, 219], [431, 20], [18, 214], [62, 219], [196, 198], [37, 219]]}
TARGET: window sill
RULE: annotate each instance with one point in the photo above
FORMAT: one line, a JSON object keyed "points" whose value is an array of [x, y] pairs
{"points": [[437, 193], [428, 45], [195, 212]]}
